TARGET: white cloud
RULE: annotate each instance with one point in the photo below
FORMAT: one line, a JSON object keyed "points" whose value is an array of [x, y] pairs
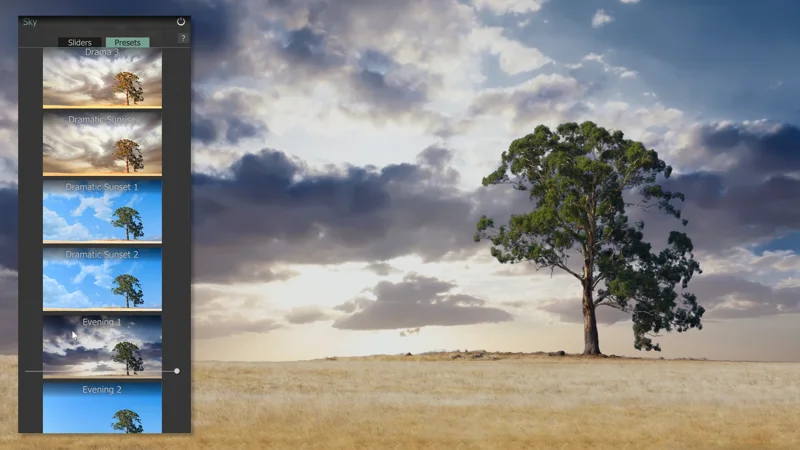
{"points": [[102, 206], [601, 18], [57, 228], [58, 296], [629, 1], [100, 272], [513, 56], [510, 6]]}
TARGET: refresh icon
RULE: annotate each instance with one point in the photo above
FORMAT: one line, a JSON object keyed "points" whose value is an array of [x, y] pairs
{"points": [[181, 21]]}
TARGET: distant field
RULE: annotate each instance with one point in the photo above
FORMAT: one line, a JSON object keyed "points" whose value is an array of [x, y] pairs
{"points": [[494, 402]]}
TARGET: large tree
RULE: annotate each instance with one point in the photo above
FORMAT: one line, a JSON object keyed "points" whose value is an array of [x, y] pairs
{"points": [[130, 287], [130, 84], [583, 180], [129, 219], [130, 152], [127, 421], [129, 354]]}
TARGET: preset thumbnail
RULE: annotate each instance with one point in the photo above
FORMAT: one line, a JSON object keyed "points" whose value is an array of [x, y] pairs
{"points": [[107, 211], [124, 143], [102, 279], [101, 407], [101, 346], [101, 78]]}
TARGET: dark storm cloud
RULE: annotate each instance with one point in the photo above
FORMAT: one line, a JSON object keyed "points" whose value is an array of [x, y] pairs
{"points": [[381, 268], [225, 117], [303, 315], [356, 214], [72, 356], [310, 50], [268, 208], [380, 81], [760, 149], [9, 228], [417, 301], [750, 199], [151, 351], [726, 296]]}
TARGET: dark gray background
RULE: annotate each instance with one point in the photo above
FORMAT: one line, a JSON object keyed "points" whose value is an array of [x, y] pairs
{"points": [[162, 31], [176, 248]]}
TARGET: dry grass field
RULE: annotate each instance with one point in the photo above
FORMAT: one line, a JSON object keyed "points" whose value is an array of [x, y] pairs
{"points": [[500, 401]]}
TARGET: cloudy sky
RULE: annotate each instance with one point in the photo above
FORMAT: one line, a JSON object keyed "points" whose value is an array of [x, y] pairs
{"points": [[72, 78], [89, 354], [71, 214], [84, 277], [339, 149], [83, 141]]}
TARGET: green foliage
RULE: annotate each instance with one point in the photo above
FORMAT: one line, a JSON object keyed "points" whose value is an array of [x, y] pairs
{"points": [[128, 354], [129, 151], [130, 84], [129, 219], [129, 286], [127, 421], [580, 179]]}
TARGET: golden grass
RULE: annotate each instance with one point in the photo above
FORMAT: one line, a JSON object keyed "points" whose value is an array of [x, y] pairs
{"points": [[433, 402]]}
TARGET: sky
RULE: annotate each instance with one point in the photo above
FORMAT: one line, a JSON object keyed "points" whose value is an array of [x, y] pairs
{"points": [[338, 152], [68, 410], [83, 141], [73, 213], [73, 78], [84, 277], [90, 353]]}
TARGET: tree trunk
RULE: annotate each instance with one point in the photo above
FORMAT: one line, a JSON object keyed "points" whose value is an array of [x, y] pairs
{"points": [[127, 99], [127, 235], [127, 302], [591, 340], [127, 369], [127, 166]]}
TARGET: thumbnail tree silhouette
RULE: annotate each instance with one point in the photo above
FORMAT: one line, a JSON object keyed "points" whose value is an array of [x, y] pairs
{"points": [[127, 421], [129, 83], [129, 286], [580, 178], [129, 219], [129, 151], [128, 354]]}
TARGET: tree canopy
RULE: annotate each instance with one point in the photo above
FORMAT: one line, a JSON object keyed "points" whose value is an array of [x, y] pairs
{"points": [[127, 421], [129, 354], [128, 286], [129, 84], [583, 180], [129, 219], [130, 152]]}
